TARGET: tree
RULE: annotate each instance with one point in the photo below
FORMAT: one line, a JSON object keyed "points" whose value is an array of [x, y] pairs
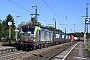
{"points": [[59, 30], [9, 18], [20, 25], [50, 28], [4, 30], [39, 24], [1, 29], [34, 21]]}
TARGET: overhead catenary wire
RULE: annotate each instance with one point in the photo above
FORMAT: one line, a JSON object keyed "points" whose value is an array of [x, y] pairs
{"points": [[51, 10], [20, 5], [44, 19], [68, 14], [38, 9], [55, 7], [54, 12], [59, 11], [17, 4], [30, 7], [76, 11], [43, 15]]}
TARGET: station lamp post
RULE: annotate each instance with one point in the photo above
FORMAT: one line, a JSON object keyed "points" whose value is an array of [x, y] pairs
{"points": [[16, 30]]}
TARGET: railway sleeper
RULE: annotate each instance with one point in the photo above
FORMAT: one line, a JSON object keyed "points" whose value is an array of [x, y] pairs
{"points": [[53, 53], [45, 53], [8, 50]]}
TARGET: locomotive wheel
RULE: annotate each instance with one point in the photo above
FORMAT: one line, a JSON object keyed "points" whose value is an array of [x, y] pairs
{"points": [[34, 47], [22, 46], [26, 47], [39, 46]]}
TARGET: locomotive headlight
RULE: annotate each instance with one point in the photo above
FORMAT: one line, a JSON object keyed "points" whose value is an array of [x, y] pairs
{"points": [[22, 42], [33, 39], [28, 32]]}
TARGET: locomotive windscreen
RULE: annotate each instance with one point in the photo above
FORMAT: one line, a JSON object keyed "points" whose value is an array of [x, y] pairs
{"points": [[26, 29]]}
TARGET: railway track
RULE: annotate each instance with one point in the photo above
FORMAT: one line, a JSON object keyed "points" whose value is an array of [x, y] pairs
{"points": [[64, 54], [6, 49], [39, 54]]}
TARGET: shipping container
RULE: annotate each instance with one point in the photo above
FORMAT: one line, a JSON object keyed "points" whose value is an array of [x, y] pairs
{"points": [[67, 37], [72, 38]]}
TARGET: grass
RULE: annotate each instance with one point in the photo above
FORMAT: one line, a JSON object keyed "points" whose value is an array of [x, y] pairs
{"points": [[13, 42], [0, 44], [5, 43], [88, 47]]}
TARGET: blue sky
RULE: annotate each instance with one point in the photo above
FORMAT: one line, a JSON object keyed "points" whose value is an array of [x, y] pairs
{"points": [[72, 9]]}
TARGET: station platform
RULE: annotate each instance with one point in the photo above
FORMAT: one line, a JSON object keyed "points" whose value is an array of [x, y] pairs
{"points": [[79, 53]]}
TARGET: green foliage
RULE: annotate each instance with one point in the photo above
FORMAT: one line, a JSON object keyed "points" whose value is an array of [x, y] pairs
{"points": [[80, 34], [4, 28], [58, 30], [53, 29], [0, 44], [34, 21], [88, 47], [9, 18], [77, 34], [49, 28], [88, 35], [0, 30]]}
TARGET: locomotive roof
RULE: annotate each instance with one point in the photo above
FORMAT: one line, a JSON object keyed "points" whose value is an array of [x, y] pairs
{"points": [[27, 26], [42, 28]]}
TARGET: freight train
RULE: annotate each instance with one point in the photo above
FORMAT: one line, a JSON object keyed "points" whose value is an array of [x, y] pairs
{"points": [[33, 37]]}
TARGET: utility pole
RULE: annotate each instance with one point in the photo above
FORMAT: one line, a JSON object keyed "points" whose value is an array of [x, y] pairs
{"points": [[74, 28], [9, 33], [54, 28], [64, 27], [36, 14], [55, 22], [65, 30], [86, 25], [9, 23], [71, 30]]}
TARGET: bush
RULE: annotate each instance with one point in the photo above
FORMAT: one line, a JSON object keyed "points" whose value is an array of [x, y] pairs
{"points": [[0, 44], [13, 42], [88, 47]]}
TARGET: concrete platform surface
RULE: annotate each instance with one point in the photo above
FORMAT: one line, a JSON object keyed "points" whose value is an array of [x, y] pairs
{"points": [[78, 53]]}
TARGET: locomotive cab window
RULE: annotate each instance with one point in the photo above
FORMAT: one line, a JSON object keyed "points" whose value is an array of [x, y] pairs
{"points": [[26, 29]]}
